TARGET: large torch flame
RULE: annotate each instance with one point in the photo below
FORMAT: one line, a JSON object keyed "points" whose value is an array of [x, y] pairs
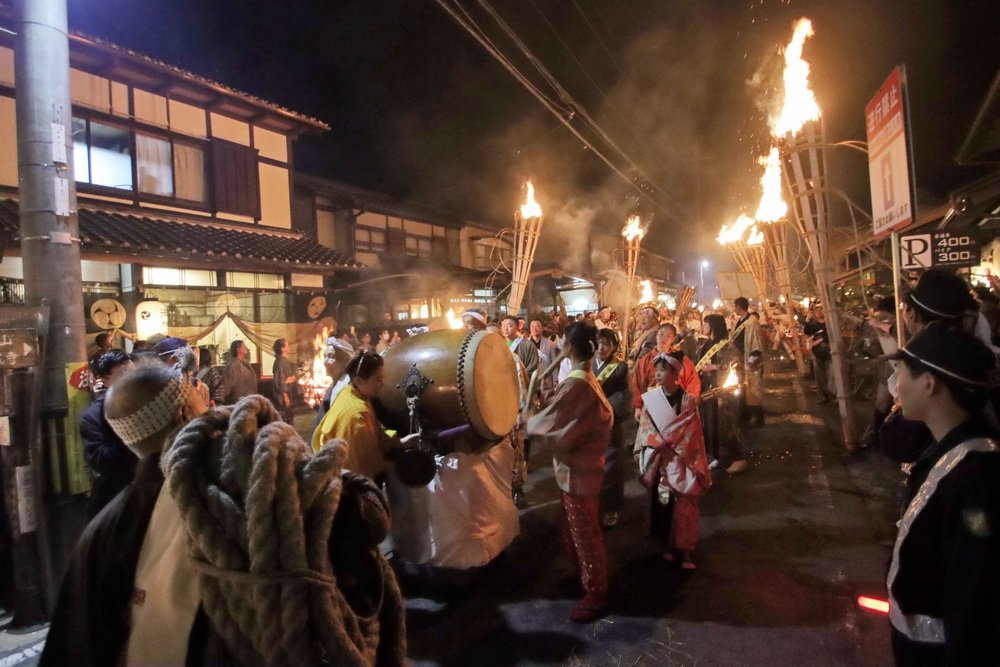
{"points": [[530, 207], [800, 104], [314, 379], [772, 207], [732, 379], [647, 291], [736, 231], [756, 236], [454, 322], [633, 228]]}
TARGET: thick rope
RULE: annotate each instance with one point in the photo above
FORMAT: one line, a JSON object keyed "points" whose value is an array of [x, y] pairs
{"points": [[259, 510]]}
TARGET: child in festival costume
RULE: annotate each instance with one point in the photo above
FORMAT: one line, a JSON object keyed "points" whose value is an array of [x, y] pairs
{"points": [[674, 456], [576, 425]]}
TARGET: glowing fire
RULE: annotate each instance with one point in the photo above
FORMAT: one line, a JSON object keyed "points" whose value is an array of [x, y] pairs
{"points": [[756, 236], [735, 231], [800, 104], [647, 291], [454, 322], [314, 379], [772, 207], [732, 379], [633, 229], [530, 207]]}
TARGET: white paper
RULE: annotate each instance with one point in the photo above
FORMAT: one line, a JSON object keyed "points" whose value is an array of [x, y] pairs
{"points": [[58, 143], [5, 431], [25, 499], [659, 408], [62, 196]]}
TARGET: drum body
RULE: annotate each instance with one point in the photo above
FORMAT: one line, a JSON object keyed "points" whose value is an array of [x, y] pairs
{"points": [[472, 383]]}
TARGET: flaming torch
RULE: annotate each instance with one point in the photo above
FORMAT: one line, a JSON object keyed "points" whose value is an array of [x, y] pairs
{"points": [[746, 242], [632, 233], [527, 229], [772, 213], [454, 321], [314, 379], [798, 129], [647, 291]]}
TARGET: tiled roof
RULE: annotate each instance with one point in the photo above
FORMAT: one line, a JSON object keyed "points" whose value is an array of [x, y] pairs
{"points": [[123, 233], [191, 76]]}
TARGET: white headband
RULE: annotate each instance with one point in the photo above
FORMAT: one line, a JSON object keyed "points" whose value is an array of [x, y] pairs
{"points": [[153, 416], [673, 361], [474, 315]]}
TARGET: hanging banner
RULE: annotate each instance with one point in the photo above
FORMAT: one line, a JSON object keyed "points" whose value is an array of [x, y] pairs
{"points": [[889, 168]]}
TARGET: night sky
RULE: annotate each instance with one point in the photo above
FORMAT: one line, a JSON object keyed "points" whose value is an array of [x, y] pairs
{"points": [[419, 110]]}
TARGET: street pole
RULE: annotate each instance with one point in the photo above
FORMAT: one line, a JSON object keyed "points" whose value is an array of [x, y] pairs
{"points": [[49, 236]]}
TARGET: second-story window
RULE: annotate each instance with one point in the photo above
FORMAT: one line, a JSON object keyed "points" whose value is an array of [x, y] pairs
{"points": [[489, 256], [165, 167], [418, 246], [369, 239], [102, 154]]}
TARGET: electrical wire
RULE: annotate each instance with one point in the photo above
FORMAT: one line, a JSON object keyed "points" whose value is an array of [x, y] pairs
{"points": [[581, 111], [460, 15]]}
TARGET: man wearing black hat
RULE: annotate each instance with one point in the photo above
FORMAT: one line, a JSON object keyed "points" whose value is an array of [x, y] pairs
{"points": [[111, 464], [938, 296], [944, 577]]}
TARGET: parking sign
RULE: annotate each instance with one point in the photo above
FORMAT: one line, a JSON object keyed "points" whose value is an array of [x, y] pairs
{"points": [[939, 249]]}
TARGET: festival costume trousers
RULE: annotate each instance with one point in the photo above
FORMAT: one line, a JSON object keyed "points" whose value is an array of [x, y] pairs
{"points": [[584, 544], [676, 523], [684, 522]]}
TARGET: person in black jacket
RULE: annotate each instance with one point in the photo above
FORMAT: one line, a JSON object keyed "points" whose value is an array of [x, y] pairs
{"points": [[718, 419], [944, 577], [612, 375], [110, 462], [938, 296]]}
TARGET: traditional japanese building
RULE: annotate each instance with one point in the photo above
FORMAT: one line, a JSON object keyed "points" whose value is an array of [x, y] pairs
{"points": [[184, 196], [424, 261]]}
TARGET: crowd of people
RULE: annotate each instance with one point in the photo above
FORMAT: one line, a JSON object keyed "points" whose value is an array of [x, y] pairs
{"points": [[661, 396]]}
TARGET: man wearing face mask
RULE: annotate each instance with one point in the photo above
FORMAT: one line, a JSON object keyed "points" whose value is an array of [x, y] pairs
{"points": [[944, 593], [938, 296]]}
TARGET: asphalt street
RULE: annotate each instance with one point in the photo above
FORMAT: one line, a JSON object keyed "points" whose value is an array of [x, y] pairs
{"points": [[785, 549]]}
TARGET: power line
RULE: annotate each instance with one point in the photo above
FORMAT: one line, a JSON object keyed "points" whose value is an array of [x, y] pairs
{"points": [[599, 40], [678, 212]]}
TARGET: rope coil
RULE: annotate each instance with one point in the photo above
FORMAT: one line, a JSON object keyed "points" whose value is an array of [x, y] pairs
{"points": [[259, 511]]}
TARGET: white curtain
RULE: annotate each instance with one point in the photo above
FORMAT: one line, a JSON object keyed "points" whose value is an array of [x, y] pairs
{"points": [[154, 165], [189, 172]]}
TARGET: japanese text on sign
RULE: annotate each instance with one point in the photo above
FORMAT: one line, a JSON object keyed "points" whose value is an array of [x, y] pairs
{"points": [[938, 249], [24, 478], [888, 159]]}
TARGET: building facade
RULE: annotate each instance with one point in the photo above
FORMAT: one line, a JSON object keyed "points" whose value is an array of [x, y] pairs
{"points": [[424, 262], [184, 200]]}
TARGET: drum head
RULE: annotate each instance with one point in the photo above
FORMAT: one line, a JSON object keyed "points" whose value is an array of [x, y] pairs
{"points": [[488, 385]]}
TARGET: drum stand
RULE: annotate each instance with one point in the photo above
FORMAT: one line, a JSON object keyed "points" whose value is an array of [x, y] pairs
{"points": [[415, 463]]}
